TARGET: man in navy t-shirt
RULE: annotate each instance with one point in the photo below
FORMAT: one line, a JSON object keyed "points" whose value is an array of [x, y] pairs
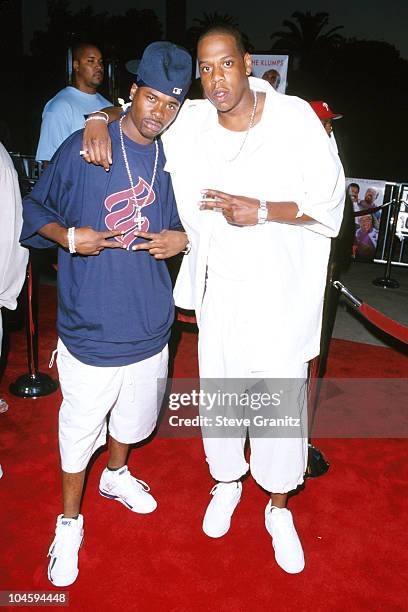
{"points": [[115, 305]]}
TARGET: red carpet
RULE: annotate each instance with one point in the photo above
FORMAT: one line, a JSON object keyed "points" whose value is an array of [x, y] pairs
{"points": [[352, 521]]}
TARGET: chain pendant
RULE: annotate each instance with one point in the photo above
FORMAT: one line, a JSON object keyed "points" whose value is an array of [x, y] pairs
{"points": [[139, 221]]}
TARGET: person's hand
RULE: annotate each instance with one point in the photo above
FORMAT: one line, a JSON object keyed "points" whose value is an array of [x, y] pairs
{"points": [[237, 210], [163, 245], [90, 242], [96, 144]]}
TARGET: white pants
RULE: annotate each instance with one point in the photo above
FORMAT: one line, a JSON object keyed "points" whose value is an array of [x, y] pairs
{"points": [[277, 464], [132, 395]]}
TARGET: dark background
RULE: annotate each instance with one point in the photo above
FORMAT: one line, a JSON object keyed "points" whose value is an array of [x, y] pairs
{"points": [[365, 79]]}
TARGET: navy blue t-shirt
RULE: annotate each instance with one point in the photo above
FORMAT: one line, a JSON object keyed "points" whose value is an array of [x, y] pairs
{"points": [[115, 308]]}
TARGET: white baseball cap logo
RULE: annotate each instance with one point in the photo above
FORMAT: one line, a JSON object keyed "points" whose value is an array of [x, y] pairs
{"points": [[326, 106], [177, 91]]}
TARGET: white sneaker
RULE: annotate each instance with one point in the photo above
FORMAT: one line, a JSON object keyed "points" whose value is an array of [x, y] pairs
{"points": [[285, 540], [63, 565], [217, 519], [129, 491]]}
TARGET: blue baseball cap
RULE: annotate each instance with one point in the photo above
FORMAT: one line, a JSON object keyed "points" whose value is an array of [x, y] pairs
{"points": [[164, 66]]}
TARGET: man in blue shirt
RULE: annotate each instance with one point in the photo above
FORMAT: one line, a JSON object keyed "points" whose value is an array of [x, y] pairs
{"points": [[64, 113], [115, 307]]}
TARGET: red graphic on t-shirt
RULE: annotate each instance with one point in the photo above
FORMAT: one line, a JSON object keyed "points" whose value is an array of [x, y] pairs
{"points": [[123, 207]]}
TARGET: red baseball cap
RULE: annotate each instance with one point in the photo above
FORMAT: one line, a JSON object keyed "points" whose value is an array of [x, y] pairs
{"points": [[323, 111]]}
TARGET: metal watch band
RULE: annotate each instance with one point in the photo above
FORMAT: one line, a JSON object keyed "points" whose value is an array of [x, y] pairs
{"points": [[187, 249], [262, 212]]}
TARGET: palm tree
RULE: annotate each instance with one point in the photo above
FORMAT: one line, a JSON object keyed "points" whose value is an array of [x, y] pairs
{"points": [[305, 37]]}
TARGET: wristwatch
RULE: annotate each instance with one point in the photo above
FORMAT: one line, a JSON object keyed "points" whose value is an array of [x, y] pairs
{"points": [[262, 212], [187, 249]]}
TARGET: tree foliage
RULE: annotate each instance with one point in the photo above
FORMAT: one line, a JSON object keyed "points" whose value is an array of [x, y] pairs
{"points": [[306, 37], [127, 35]]}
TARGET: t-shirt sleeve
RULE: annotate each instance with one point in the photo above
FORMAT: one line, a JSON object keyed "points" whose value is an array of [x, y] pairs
{"points": [[55, 128], [47, 202]]}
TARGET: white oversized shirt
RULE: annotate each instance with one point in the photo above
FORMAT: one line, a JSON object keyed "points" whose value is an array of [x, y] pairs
{"points": [[287, 157]]}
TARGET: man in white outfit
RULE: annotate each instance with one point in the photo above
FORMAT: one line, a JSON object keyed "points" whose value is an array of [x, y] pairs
{"points": [[256, 271], [260, 267]]}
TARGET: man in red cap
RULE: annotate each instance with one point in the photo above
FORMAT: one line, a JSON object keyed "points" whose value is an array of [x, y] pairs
{"points": [[326, 116]]}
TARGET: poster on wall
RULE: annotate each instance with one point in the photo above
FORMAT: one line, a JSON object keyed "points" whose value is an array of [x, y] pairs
{"points": [[272, 68], [366, 194]]}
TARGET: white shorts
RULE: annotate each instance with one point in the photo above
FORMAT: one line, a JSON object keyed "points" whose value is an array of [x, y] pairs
{"points": [[132, 395]]}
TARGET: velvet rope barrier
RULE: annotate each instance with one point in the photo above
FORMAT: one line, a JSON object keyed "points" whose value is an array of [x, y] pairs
{"points": [[182, 317], [377, 318]]}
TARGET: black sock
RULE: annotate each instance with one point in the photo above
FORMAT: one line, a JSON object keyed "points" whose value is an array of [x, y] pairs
{"points": [[71, 517], [114, 469]]}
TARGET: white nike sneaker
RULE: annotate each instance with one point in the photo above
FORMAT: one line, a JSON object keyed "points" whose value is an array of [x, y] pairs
{"points": [[129, 491], [217, 519], [63, 565], [285, 540]]}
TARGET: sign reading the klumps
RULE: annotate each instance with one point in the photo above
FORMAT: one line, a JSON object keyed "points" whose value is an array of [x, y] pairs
{"points": [[272, 68]]}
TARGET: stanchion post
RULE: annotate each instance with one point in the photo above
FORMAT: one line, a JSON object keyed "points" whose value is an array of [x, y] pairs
{"points": [[317, 465], [386, 281], [34, 383]]}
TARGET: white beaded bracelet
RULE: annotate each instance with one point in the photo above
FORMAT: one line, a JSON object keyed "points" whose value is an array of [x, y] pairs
{"points": [[98, 117], [71, 240]]}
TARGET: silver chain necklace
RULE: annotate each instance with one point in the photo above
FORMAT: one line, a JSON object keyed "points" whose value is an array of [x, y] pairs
{"points": [[250, 126], [139, 218]]}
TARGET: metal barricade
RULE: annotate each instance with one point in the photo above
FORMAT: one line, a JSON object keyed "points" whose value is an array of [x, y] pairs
{"points": [[28, 169]]}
